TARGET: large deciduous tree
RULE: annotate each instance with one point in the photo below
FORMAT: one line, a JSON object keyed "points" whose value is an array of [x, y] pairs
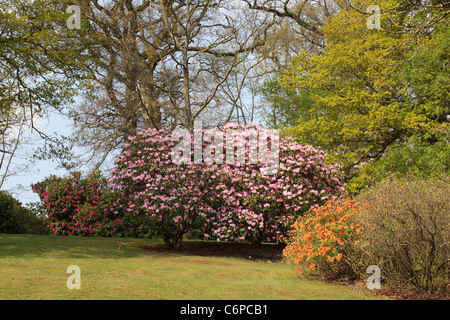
{"points": [[366, 85], [159, 64], [32, 84]]}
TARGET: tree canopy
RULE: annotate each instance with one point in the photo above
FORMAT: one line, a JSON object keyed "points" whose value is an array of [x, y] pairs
{"points": [[372, 88]]}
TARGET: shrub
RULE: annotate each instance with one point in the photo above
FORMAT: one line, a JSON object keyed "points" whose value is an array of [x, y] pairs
{"points": [[14, 218], [327, 238], [30, 220], [427, 158], [173, 196], [256, 207], [77, 205], [409, 237], [400, 225], [8, 213], [140, 226]]}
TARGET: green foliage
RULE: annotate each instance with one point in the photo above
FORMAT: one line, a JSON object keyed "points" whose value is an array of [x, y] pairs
{"points": [[140, 226], [370, 87], [40, 72], [428, 75], [30, 220], [14, 218], [401, 225], [425, 158], [285, 106], [8, 217]]}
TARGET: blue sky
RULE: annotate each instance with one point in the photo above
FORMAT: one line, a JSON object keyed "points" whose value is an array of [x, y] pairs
{"points": [[40, 169]]}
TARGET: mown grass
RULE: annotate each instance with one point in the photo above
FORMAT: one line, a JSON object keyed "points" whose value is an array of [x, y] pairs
{"points": [[34, 267]]}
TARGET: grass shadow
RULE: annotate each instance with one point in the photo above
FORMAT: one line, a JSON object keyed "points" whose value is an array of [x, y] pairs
{"points": [[241, 250], [20, 245]]}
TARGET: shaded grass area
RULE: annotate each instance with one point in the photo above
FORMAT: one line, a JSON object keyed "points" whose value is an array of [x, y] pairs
{"points": [[261, 252], [34, 267]]}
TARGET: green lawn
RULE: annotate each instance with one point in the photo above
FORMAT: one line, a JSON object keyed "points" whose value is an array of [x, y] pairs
{"points": [[34, 267]]}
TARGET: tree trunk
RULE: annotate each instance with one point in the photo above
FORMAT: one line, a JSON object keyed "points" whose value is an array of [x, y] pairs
{"points": [[152, 108]]}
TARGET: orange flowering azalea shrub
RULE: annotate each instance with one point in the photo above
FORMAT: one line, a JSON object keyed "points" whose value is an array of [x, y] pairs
{"points": [[326, 239]]}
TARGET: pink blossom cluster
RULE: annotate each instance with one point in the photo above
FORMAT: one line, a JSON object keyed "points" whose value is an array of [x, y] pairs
{"points": [[79, 206], [256, 207], [232, 198], [172, 195]]}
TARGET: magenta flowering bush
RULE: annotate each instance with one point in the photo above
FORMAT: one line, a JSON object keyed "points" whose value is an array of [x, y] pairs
{"points": [[77, 205], [227, 186]]}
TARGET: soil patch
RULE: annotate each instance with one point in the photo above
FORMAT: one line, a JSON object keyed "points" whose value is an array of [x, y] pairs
{"points": [[413, 294], [397, 292]]}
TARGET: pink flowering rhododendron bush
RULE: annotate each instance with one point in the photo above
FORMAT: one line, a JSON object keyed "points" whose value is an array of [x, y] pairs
{"points": [[77, 205], [243, 183], [255, 207], [172, 195]]}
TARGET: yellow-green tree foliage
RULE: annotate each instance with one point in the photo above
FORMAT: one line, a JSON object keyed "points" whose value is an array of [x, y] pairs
{"points": [[363, 102]]}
